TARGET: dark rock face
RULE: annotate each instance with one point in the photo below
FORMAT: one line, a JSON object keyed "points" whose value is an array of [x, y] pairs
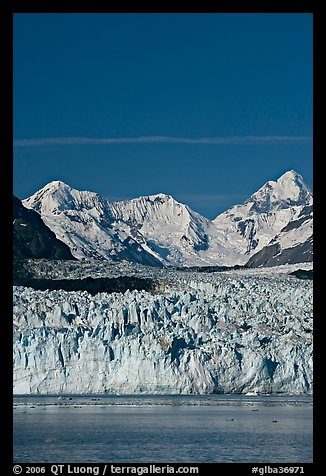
{"points": [[32, 238], [263, 257], [273, 256]]}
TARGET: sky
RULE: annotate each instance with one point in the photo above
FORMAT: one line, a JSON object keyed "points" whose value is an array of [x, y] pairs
{"points": [[204, 107]]}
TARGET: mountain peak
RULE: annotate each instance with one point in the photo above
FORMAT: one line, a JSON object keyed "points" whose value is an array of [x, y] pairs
{"points": [[57, 196], [287, 191], [292, 176], [290, 173], [160, 196], [56, 184]]}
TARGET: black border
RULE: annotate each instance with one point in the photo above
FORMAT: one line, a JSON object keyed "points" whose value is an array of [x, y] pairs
{"points": [[224, 6], [6, 177], [8, 9]]}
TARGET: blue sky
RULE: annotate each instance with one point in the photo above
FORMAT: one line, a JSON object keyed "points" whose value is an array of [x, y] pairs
{"points": [[205, 107]]}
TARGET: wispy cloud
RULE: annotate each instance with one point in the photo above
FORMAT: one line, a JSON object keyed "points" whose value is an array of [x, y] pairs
{"points": [[45, 141]]}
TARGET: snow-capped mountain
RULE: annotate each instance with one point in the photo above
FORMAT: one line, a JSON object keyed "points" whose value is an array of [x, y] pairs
{"points": [[157, 230], [174, 233], [294, 244], [252, 226], [162, 216], [83, 221]]}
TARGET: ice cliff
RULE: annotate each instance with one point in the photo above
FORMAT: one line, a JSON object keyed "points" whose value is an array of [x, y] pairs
{"points": [[221, 333]]}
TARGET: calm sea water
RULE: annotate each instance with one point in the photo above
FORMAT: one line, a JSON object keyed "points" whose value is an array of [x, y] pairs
{"points": [[170, 429]]}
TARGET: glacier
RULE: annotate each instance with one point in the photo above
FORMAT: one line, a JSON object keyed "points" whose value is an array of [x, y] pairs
{"points": [[245, 331]]}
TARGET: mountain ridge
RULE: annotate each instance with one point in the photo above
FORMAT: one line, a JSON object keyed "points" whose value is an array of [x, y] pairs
{"points": [[159, 230]]}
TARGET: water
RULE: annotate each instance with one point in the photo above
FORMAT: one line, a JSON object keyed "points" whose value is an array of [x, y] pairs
{"points": [[168, 429]]}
